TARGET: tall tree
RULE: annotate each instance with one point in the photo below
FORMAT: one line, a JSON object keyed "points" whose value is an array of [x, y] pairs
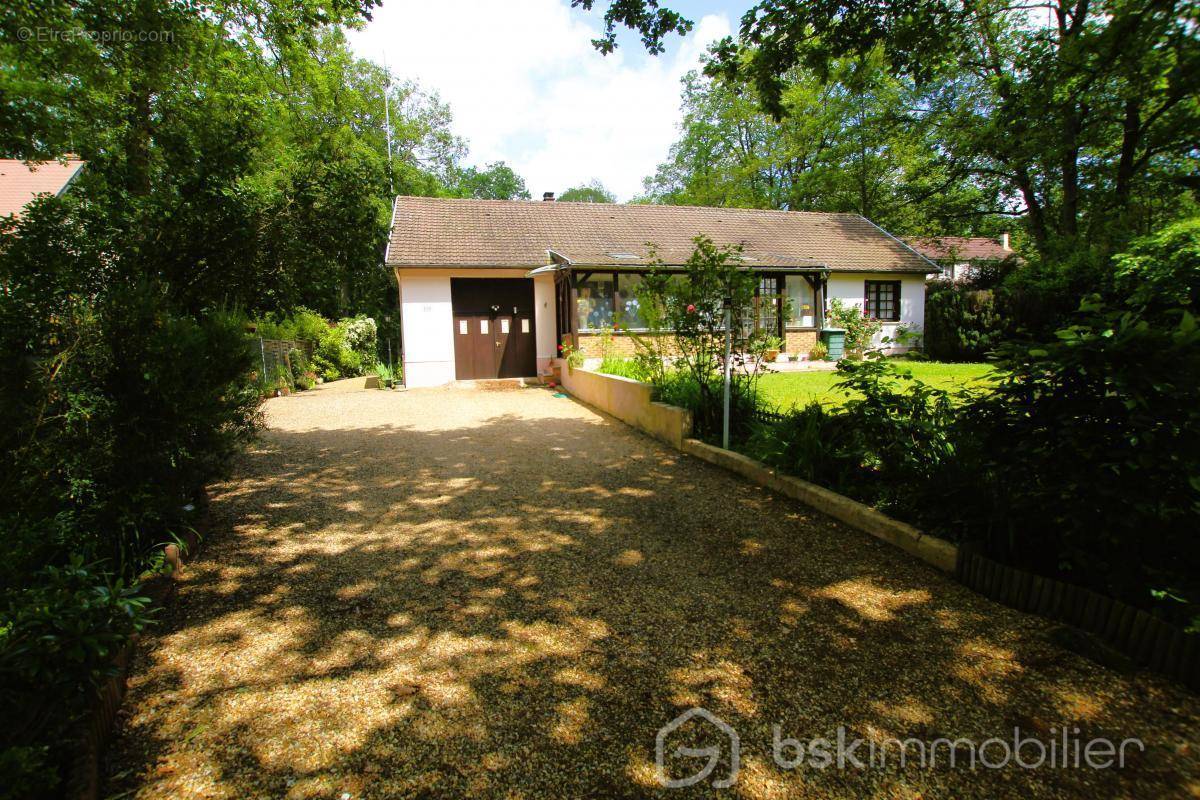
{"points": [[844, 143], [496, 181], [593, 192], [1086, 111], [238, 154]]}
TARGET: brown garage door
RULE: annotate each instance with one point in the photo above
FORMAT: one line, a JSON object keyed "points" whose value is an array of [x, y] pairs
{"points": [[494, 334]]}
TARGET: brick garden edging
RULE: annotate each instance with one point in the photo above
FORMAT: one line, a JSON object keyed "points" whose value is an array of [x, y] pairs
{"points": [[936, 552], [1144, 639], [96, 728]]}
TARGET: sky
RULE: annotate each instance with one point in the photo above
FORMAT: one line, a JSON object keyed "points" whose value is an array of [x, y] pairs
{"points": [[526, 86]]}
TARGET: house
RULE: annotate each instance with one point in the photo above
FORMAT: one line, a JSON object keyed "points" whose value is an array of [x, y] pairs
{"points": [[490, 288], [960, 257], [22, 181]]}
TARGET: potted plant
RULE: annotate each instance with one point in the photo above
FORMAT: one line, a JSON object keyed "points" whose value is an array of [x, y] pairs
{"points": [[572, 355], [386, 377], [771, 347]]}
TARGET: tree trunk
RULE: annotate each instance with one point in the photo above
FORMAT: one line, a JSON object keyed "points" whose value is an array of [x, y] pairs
{"points": [[1037, 217], [137, 143], [1130, 139], [1069, 213], [138, 135]]}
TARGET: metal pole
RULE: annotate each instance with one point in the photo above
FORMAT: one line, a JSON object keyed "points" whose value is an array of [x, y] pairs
{"points": [[728, 326], [262, 352], [387, 119]]}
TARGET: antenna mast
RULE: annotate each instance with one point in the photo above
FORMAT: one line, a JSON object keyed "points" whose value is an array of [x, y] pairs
{"points": [[387, 118]]}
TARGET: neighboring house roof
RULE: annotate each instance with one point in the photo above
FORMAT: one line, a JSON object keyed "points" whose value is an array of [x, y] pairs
{"points": [[441, 232], [21, 182], [961, 248]]}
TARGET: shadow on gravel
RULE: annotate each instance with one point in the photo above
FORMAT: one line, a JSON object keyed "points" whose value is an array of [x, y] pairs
{"points": [[515, 608]]}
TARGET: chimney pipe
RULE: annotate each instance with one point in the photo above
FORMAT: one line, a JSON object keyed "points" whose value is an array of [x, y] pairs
{"points": [[1004, 241], [547, 197]]}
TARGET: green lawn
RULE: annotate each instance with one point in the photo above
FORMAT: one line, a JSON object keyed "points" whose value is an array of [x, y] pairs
{"points": [[785, 389]]}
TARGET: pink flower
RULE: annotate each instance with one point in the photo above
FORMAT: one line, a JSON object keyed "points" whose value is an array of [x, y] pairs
{"points": [[691, 309]]}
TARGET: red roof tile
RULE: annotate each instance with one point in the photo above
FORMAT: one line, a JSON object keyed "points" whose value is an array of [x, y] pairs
{"points": [[961, 248], [20, 181]]}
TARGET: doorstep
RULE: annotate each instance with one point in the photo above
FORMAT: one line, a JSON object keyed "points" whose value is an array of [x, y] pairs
{"points": [[498, 384]]}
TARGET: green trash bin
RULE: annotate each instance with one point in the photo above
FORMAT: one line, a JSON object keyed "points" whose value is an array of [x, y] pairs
{"points": [[835, 342]]}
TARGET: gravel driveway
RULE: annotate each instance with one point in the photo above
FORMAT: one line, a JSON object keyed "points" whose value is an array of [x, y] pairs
{"points": [[452, 593]]}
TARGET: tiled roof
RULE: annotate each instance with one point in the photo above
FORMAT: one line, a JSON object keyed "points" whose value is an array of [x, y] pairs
{"points": [[961, 248], [431, 232], [21, 182]]}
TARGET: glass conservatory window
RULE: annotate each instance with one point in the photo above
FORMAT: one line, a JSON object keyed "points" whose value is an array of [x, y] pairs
{"points": [[802, 304], [630, 316], [595, 307]]}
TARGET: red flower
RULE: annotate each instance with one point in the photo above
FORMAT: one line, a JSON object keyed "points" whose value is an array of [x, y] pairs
{"points": [[560, 348], [691, 309], [866, 313]]}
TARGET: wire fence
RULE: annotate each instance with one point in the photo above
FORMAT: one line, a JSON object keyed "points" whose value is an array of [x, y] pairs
{"points": [[769, 417], [273, 354]]}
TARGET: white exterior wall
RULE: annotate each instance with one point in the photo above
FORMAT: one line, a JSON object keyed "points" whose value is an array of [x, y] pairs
{"points": [[850, 288], [427, 320]]}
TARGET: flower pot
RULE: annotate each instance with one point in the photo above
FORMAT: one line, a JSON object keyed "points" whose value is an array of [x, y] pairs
{"points": [[772, 355]]}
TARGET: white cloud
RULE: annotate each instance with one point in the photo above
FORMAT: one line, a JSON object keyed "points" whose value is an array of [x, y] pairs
{"points": [[527, 87]]}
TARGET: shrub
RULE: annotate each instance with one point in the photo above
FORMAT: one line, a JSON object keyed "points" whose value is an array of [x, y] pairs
{"points": [[1162, 271], [281, 379], [625, 367], [302, 325], [685, 316], [1091, 450], [819, 352], [961, 323], [573, 355], [307, 326], [345, 350], [807, 443], [860, 329], [1082, 462], [329, 356], [680, 387], [361, 337], [57, 642], [886, 445], [115, 409]]}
